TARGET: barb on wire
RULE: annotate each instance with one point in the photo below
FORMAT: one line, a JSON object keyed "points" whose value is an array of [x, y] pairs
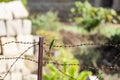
{"points": [[9, 58], [89, 44], [18, 59], [19, 42], [73, 64]]}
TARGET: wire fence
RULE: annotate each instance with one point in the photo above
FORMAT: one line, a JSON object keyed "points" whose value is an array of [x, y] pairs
{"points": [[51, 60]]}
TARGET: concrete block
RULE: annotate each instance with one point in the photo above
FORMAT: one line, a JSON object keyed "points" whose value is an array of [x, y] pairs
{"points": [[14, 27], [30, 77], [23, 47], [9, 49], [16, 76], [2, 65], [27, 26], [9, 63], [32, 66], [2, 28], [18, 9], [19, 66], [5, 12], [8, 77], [36, 48], [0, 49]]}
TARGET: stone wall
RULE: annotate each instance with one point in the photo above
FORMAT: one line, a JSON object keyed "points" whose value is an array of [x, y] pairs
{"points": [[15, 27]]}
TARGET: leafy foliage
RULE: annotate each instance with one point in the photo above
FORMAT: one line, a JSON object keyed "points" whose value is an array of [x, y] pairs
{"points": [[65, 57], [24, 1], [48, 21], [84, 14], [48, 35]]}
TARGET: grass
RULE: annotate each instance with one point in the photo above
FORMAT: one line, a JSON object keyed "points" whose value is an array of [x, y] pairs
{"points": [[105, 30]]}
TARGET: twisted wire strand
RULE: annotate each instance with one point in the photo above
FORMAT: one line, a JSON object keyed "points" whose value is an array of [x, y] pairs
{"points": [[88, 44], [18, 59], [92, 44], [59, 46]]}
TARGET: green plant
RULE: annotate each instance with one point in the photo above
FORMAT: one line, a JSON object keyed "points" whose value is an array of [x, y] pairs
{"points": [[55, 74], [84, 14], [48, 21], [24, 1], [66, 57]]}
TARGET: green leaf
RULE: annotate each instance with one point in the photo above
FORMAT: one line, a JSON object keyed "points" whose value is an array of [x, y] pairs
{"points": [[113, 12], [51, 44], [24, 2], [72, 10]]}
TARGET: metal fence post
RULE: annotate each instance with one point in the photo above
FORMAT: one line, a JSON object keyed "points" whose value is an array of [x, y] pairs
{"points": [[40, 58]]}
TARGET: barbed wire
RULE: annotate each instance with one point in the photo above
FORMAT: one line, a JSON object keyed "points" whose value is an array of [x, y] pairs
{"points": [[52, 62], [77, 45], [55, 62], [73, 64], [23, 58], [58, 64], [18, 59], [92, 44], [89, 44], [18, 42]]}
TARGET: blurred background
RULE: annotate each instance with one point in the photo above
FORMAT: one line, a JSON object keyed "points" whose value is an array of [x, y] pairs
{"points": [[73, 22], [63, 6]]}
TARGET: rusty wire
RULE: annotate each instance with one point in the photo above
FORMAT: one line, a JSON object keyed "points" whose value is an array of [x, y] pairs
{"points": [[54, 62], [18, 59], [88, 44]]}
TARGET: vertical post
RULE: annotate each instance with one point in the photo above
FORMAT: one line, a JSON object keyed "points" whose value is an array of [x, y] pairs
{"points": [[40, 58]]}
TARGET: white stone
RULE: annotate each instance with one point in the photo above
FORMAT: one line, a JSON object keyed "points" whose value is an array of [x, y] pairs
{"points": [[2, 65], [5, 12], [9, 49], [9, 63], [23, 47], [16, 76], [8, 77], [18, 9], [19, 66], [30, 77], [2, 28], [0, 49], [36, 48], [14, 27], [32, 66], [27, 26]]}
